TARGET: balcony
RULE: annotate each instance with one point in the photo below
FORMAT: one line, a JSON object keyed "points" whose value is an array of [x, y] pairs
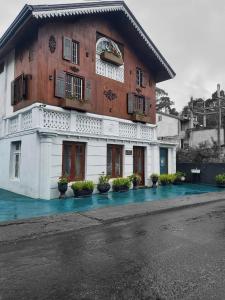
{"points": [[51, 119]]}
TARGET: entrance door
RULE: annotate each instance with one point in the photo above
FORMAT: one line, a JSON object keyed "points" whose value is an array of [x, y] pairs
{"points": [[163, 161], [139, 163]]}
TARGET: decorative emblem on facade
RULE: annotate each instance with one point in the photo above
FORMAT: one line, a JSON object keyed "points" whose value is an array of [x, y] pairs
{"points": [[52, 44], [110, 95]]}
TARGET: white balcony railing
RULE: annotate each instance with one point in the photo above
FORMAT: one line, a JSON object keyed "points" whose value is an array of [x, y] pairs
{"points": [[55, 119]]}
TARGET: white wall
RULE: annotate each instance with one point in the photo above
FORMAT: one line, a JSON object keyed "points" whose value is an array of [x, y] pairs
{"points": [[201, 136], [29, 168], [96, 151], [168, 126]]}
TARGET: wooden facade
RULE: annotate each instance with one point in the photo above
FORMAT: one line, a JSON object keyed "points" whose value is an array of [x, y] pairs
{"points": [[35, 58]]}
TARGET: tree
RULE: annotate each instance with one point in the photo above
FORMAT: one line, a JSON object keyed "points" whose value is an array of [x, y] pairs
{"points": [[163, 102]]}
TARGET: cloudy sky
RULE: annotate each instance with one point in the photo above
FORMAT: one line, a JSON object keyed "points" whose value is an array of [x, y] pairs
{"points": [[190, 35]]}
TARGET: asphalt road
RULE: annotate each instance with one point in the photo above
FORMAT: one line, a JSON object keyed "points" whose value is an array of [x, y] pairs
{"points": [[173, 255]]}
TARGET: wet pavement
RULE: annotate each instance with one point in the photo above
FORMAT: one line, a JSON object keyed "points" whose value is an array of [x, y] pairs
{"points": [[173, 255]]}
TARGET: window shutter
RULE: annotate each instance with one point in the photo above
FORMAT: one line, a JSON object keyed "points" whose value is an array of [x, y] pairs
{"points": [[144, 80], [24, 87], [88, 90], [12, 92], [60, 81], [67, 48], [147, 106], [130, 103]]}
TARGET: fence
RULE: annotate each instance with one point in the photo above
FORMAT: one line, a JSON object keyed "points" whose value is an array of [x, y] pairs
{"points": [[208, 171]]}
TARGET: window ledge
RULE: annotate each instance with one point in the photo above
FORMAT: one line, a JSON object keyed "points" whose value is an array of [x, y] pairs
{"points": [[80, 105]]}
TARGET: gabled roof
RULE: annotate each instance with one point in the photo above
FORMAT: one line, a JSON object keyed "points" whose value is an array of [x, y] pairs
{"points": [[36, 13]]}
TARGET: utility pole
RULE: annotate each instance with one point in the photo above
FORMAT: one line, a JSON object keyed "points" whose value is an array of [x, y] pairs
{"points": [[219, 120]]}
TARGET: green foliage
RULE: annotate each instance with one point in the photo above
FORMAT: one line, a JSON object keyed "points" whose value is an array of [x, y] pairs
{"points": [[220, 178], [163, 101], [135, 177], [155, 176], [179, 175], [103, 179], [205, 152], [121, 182], [64, 179], [167, 178], [82, 185]]}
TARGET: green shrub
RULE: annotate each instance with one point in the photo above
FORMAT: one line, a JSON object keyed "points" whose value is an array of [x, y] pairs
{"points": [[64, 179], [103, 179], [154, 175], [82, 185], [135, 177], [121, 182], [220, 178], [166, 178]]}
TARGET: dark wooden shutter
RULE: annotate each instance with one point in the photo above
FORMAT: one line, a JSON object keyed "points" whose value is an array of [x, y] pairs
{"points": [[147, 106], [130, 103], [24, 86], [60, 83], [144, 80], [88, 90], [67, 48], [13, 92]]}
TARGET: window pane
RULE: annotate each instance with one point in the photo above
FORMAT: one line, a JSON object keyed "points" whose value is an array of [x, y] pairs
{"points": [[118, 162], [74, 87], [67, 159], [109, 160], [78, 161], [17, 165], [75, 49]]}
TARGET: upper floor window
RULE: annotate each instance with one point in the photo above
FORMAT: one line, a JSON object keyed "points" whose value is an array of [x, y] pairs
{"points": [[74, 87], [138, 104], [19, 89], [71, 50], [140, 78], [159, 118], [109, 59]]}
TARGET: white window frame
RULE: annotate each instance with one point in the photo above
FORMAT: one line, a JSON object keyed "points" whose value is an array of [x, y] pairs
{"points": [[75, 52], [15, 174]]}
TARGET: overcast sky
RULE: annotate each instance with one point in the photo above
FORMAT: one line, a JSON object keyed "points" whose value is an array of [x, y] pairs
{"points": [[189, 33]]}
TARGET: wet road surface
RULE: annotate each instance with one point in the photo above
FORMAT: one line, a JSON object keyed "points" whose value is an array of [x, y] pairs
{"points": [[174, 255]]}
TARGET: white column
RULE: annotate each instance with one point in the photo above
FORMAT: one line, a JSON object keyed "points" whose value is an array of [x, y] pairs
{"points": [[128, 160], [155, 159], [45, 167]]}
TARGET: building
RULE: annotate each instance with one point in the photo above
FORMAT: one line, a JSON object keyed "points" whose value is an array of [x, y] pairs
{"points": [[169, 127], [77, 94]]}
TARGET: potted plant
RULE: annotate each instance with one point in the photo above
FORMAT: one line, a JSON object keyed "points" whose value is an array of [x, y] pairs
{"points": [[121, 184], [154, 177], [164, 179], [220, 180], [135, 179], [63, 185], [82, 188], [179, 178], [103, 185]]}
